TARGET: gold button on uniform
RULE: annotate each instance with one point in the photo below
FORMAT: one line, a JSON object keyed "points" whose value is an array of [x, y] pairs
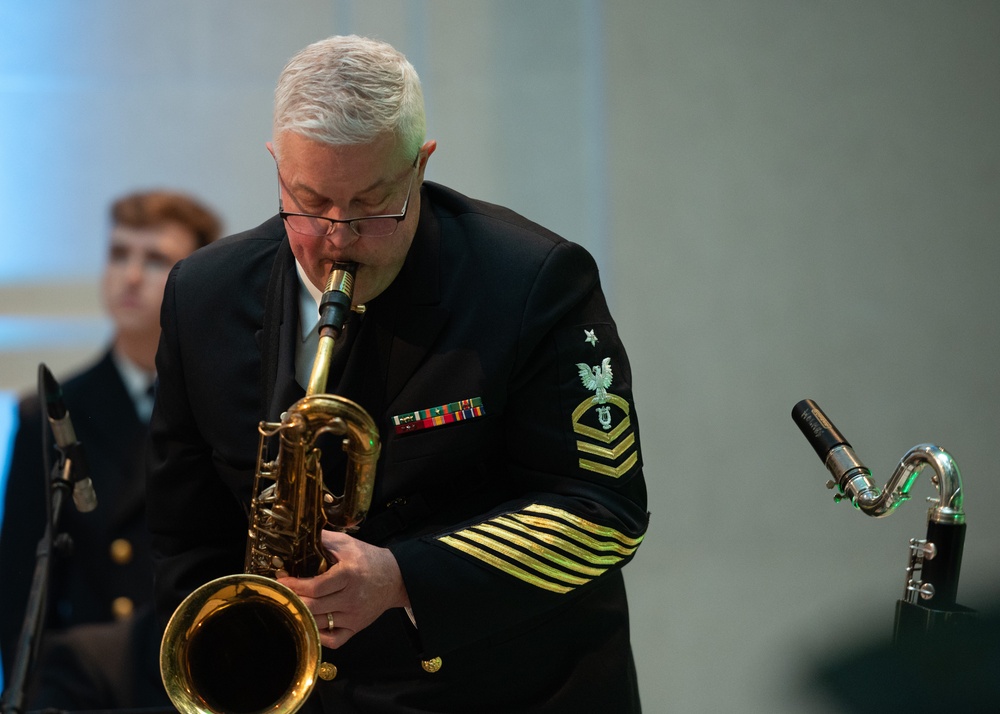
{"points": [[431, 665], [121, 551], [327, 671], [122, 607]]}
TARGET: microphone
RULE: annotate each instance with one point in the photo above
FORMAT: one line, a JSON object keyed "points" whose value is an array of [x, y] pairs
{"points": [[62, 429], [851, 476]]}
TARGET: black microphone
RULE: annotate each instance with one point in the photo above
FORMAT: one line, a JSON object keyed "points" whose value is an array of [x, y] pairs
{"points": [[62, 428], [852, 476]]}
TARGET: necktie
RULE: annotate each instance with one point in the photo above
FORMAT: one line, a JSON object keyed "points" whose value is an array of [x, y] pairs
{"points": [[144, 404]]}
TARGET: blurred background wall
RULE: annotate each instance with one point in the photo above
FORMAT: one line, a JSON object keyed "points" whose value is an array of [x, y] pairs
{"points": [[788, 199]]}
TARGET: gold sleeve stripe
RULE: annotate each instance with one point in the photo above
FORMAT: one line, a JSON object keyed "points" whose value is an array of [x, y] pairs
{"points": [[522, 558], [609, 454], [603, 436], [613, 472], [545, 546], [583, 524], [538, 527], [503, 565], [552, 555]]}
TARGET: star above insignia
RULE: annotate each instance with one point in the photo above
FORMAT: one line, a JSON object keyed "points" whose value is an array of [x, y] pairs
{"points": [[589, 336]]}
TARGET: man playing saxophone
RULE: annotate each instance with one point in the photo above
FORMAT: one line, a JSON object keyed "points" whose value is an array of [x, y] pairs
{"points": [[508, 491]]}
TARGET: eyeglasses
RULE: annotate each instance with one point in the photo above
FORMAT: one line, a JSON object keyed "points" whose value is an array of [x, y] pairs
{"points": [[364, 226]]}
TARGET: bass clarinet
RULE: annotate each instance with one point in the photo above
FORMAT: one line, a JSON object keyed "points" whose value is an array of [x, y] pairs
{"points": [[929, 597]]}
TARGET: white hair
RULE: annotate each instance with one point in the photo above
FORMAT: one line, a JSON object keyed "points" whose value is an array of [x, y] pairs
{"points": [[350, 90]]}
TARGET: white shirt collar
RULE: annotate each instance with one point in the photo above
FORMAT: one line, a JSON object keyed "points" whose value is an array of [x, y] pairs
{"points": [[137, 382], [309, 297]]}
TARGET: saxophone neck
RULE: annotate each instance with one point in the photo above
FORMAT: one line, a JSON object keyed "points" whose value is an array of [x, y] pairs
{"points": [[321, 366]]}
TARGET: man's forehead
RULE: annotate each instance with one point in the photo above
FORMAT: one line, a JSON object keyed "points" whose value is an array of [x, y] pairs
{"points": [[364, 165]]}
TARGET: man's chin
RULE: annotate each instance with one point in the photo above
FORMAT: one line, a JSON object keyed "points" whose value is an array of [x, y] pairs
{"points": [[133, 319]]}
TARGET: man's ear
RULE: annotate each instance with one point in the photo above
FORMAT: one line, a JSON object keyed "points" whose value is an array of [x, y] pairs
{"points": [[426, 150]]}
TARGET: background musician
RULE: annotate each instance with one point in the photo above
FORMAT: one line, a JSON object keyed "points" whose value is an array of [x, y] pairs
{"points": [[108, 577]]}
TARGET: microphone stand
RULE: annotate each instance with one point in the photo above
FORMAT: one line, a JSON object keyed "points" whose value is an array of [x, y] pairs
{"points": [[60, 484]]}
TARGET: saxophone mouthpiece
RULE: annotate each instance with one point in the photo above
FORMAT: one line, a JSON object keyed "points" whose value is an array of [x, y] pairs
{"points": [[342, 278], [335, 305]]}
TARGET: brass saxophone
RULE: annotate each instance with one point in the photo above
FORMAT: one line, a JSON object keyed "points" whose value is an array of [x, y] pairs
{"points": [[217, 639]]}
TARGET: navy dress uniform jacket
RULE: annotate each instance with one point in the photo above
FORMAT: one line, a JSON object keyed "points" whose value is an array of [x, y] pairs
{"points": [[510, 519]]}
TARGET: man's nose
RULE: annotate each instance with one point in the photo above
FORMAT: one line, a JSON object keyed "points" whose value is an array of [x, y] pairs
{"points": [[134, 271], [343, 236]]}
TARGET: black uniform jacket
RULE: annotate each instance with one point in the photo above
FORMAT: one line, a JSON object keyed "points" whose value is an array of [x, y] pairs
{"points": [[509, 486], [110, 557]]}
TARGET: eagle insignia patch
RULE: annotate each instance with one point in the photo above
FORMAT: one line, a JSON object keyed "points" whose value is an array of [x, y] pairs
{"points": [[606, 447], [597, 378]]}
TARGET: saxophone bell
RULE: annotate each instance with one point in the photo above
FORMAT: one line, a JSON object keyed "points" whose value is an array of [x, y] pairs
{"points": [[215, 642]]}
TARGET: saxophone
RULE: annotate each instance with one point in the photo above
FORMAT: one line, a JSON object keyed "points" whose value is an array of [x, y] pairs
{"points": [[216, 640]]}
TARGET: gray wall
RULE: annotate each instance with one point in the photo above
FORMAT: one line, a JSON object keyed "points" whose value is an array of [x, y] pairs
{"points": [[806, 203], [788, 200]]}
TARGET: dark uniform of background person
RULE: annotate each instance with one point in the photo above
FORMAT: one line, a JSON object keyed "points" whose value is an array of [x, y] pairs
{"points": [[109, 577], [509, 492]]}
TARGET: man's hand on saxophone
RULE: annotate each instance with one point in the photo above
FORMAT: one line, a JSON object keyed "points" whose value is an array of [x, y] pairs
{"points": [[363, 582]]}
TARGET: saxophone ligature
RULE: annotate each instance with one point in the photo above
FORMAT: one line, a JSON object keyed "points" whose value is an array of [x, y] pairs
{"points": [[931, 587], [245, 643]]}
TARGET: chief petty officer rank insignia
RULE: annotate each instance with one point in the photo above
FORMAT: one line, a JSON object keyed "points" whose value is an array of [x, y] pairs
{"points": [[602, 420]]}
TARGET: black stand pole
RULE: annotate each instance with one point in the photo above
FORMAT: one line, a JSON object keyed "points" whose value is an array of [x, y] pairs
{"points": [[64, 474], [34, 615]]}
